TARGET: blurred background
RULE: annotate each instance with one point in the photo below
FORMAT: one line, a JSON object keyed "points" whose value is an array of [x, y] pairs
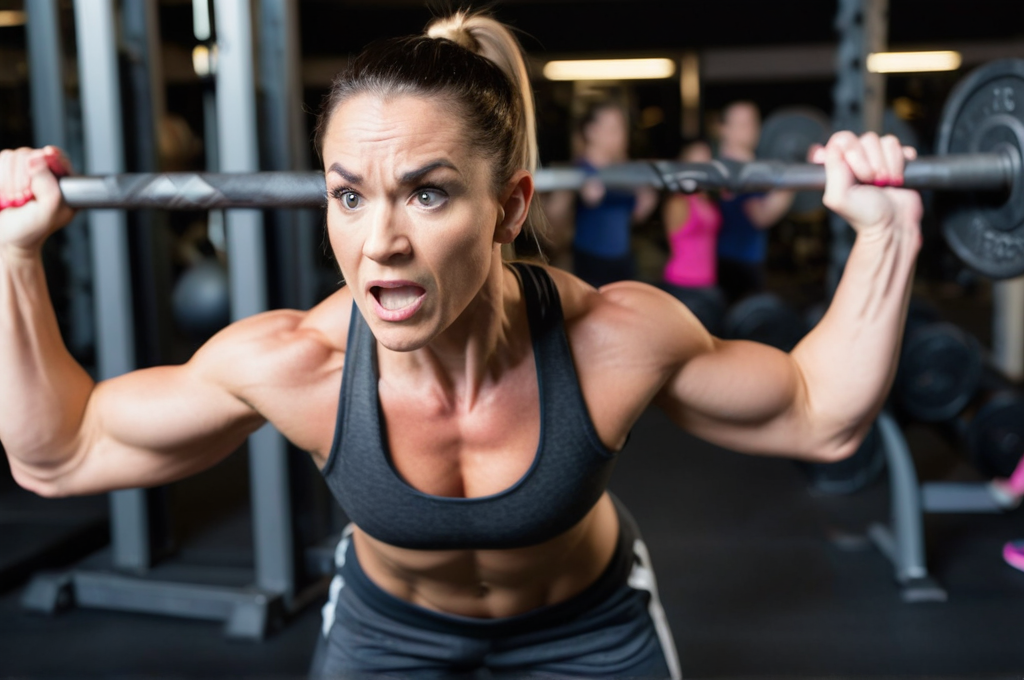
{"points": [[767, 568]]}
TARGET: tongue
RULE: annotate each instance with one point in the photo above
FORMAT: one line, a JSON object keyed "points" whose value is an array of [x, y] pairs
{"points": [[397, 298]]}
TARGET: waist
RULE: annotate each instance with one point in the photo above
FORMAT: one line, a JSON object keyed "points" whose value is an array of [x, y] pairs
{"points": [[613, 576]]}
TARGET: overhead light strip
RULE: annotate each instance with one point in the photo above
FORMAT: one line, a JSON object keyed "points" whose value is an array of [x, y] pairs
{"points": [[610, 69], [11, 17], [913, 62]]}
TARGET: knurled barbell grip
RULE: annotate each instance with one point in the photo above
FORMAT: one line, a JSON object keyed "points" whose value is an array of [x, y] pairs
{"points": [[962, 172], [191, 191]]}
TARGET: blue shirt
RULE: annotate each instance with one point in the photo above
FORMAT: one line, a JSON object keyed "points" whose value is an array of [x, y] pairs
{"points": [[604, 229], [739, 239]]}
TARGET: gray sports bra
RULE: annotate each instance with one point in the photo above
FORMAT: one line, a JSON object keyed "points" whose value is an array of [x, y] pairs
{"points": [[569, 473]]}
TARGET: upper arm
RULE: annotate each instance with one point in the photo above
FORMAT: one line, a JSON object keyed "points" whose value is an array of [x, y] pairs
{"points": [[675, 213], [742, 395], [157, 425]]}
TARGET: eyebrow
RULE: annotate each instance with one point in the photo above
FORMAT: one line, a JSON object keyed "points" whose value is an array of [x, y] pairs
{"points": [[413, 175], [408, 178], [349, 177]]}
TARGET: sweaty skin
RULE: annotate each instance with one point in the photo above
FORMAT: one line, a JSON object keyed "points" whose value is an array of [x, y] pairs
{"points": [[417, 229]]}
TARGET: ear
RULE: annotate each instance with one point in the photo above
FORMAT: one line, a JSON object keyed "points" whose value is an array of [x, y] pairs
{"points": [[514, 205]]}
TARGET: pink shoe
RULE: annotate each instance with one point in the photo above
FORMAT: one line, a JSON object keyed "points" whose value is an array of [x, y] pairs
{"points": [[1013, 553]]}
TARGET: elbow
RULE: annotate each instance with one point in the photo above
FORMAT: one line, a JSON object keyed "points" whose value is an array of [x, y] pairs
{"points": [[838, 448], [46, 488]]}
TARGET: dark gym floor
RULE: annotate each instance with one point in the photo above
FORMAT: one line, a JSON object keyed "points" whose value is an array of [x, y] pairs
{"points": [[751, 575]]}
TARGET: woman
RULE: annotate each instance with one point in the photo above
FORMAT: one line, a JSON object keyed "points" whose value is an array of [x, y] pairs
{"points": [[692, 222], [603, 218], [481, 404]]}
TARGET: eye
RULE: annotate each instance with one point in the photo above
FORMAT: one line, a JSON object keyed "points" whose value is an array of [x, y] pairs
{"points": [[350, 200], [430, 198]]}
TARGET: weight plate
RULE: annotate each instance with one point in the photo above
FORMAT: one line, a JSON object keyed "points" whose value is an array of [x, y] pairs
{"points": [[939, 371], [764, 318], [995, 436], [786, 135], [985, 113]]}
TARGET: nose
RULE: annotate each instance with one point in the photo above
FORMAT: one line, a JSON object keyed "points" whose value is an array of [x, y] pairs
{"points": [[387, 238]]}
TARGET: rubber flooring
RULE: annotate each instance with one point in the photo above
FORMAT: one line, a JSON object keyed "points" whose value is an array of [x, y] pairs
{"points": [[759, 577]]}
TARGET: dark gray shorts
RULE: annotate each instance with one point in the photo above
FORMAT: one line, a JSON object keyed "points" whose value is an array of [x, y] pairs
{"points": [[614, 628]]}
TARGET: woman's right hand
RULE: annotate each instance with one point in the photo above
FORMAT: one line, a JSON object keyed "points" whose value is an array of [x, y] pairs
{"points": [[31, 205]]}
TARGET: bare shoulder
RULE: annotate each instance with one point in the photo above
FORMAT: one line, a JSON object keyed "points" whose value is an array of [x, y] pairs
{"points": [[278, 347], [630, 315]]}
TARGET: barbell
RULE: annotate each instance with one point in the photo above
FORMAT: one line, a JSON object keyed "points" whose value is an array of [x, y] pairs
{"points": [[980, 155]]}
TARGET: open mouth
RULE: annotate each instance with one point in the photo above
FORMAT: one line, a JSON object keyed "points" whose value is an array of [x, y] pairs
{"points": [[397, 301]]}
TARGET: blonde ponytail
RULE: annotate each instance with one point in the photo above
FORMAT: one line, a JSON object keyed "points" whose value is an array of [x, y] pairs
{"points": [[493, 40]]}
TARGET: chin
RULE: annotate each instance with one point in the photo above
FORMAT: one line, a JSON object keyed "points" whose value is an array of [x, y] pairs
{"points": [[401, 338]]}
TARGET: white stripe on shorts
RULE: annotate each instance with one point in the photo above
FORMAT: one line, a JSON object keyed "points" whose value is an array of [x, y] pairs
{"points": [[337, 583], [642, 578]]}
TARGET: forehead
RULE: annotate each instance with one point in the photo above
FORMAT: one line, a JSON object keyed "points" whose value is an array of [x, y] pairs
{"points": [[397, 129]]}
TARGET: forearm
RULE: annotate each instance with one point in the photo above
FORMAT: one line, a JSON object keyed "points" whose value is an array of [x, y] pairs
{"points": [[766, 211], [45, 389], [848, 361]]}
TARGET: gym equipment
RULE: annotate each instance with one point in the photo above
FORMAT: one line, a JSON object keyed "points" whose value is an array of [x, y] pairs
{"points": [[992, 171], [985, 113], [939, 371], [993, 432], [852, 474], [201, 300], [707, 304], [764, 318], [787, 135], [980, 140]]}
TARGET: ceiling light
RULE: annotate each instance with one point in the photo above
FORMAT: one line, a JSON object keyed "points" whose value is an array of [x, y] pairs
{"points": [[609, 69], [913, 62], [11, 17]]}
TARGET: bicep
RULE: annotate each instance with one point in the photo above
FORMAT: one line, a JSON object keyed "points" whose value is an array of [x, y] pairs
{"points": [[742, 395]]}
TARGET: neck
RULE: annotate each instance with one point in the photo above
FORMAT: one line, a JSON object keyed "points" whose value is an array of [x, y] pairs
{"points": [[736, 152], [600, 158], [478, 348]]}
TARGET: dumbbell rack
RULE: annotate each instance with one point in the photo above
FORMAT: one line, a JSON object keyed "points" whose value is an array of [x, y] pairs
{"points": [[902, 540]]}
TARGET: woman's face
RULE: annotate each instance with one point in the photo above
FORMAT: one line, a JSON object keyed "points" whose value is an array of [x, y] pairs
{"points": [[411, 214], [608, 133]]}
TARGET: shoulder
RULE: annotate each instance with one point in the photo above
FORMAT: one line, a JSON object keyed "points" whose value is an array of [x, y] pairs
{"points": [[629, 317], [279, 346]]}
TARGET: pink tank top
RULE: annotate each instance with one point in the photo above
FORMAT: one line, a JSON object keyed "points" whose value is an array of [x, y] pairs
{"points": [[692, 263]]}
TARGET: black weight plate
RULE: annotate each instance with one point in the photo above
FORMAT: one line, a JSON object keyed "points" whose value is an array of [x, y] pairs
{"points": [[786, 135], [764, 318], [852, 474], [940, 368], [995, 436], [985, 113]]}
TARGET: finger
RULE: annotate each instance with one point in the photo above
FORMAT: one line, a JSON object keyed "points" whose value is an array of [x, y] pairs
{"points": [[854, 155], [43, 183], [58, 162], [838, 175], [22, 193], [6, 175], [816, 153], [871, 146], [910, 153], [892, 150]]}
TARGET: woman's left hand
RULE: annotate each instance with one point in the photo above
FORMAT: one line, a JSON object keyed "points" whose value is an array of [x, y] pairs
{"points": [[863, 179]]}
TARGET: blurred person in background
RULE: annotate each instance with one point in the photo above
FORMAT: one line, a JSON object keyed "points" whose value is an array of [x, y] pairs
{"points": [[743, 239], [691, 223], [604, 218]]}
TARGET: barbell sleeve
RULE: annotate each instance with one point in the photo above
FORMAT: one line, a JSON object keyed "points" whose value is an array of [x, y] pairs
{"points": [[210, 191]]}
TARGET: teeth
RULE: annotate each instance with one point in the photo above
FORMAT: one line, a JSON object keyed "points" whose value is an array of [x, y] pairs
{"points": [[393, 299]]}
